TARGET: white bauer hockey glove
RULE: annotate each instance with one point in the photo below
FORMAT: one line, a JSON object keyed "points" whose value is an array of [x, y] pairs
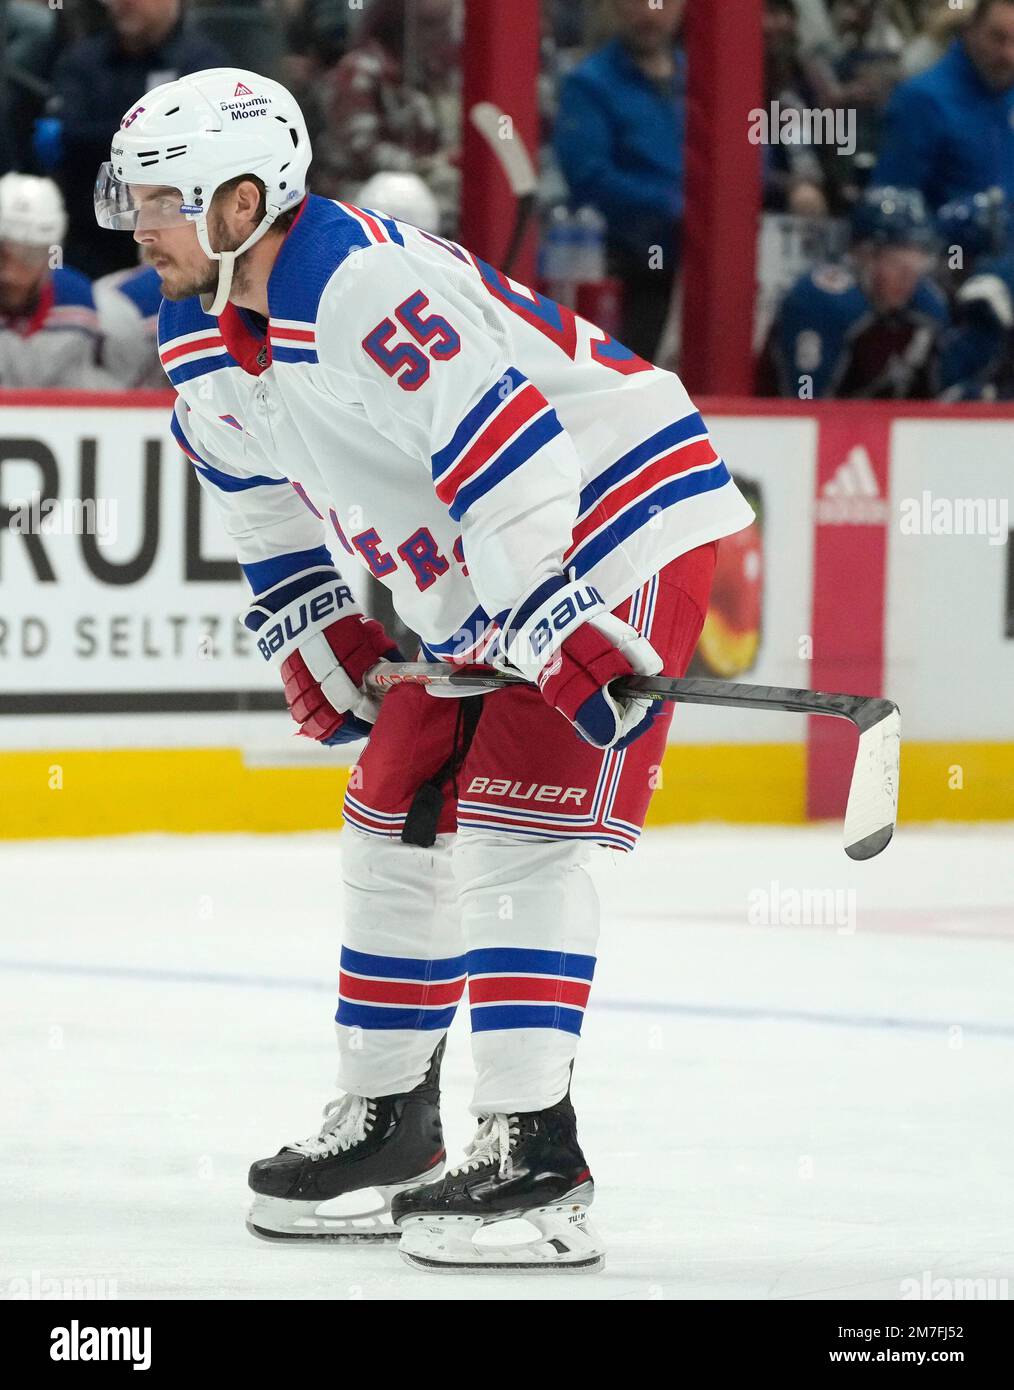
{"points": [[312, 629], [564, 638]]}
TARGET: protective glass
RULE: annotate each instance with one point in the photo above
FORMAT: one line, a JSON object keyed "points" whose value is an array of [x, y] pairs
{"points": [[127, 207]]}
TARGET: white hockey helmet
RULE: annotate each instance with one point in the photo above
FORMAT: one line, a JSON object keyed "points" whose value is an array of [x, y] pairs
{"points": [[402, 196], [191, 136], [31, 211]]}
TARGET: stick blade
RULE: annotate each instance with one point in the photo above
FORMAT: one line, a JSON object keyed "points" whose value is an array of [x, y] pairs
{"points": [[872, 809], [871, 845], [510, 150]]}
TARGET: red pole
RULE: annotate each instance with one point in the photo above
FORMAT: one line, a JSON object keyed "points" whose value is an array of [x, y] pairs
{"points": [[725, 61], [501, 65]]}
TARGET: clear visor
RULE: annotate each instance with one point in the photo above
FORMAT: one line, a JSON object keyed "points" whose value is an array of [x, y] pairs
{"points": [[128, 207]]}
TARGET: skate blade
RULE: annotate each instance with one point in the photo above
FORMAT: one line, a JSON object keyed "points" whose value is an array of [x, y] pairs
{"points": [[320, 1235], [279, 1218], [564, 1243], [590, 1265]]}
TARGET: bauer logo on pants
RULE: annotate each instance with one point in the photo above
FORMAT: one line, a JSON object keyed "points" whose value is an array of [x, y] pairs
{"points": [[525, 791]]}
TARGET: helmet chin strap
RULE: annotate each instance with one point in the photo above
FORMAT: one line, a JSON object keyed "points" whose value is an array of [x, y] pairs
{"points": [[215, 304]]}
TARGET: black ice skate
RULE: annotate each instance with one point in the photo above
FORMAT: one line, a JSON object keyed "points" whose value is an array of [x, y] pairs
{"points": [[518, 1166], [365, 1152]]}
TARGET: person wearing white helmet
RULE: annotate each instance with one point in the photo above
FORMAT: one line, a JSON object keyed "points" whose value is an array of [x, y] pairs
{"points": [[530, 492], [49, 330], [403, 196], [178, 151]]}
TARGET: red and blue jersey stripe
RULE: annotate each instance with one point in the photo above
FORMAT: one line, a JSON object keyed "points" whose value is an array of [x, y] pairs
{"points": [[194, 354], [671, 465], [377, 226], [227, 482], [293, 340], [469, 643], [506, 427]]}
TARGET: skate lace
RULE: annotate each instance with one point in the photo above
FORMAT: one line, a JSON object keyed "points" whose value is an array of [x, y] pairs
{"points": [[347, 1121], [493, 1142]]}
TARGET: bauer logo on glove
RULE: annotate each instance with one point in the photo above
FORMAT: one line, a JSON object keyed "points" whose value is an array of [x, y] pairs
{"points": [[564, 639], [564, 615], [314, 631], [300, 619]]}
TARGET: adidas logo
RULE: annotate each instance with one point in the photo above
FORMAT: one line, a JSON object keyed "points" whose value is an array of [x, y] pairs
{"points": [[242, 91], [852, 497]]}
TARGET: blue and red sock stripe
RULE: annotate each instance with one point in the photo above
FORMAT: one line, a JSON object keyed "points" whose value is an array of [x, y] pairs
{"points": [[398, 992], [512, 987]]}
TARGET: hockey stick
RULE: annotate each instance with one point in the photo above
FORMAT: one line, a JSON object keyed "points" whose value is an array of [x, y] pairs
{"points": [[872, 808], [512, 155]]}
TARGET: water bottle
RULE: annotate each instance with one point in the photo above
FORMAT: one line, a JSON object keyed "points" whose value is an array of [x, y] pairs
{"points": [[558, 255], [589, 246]]}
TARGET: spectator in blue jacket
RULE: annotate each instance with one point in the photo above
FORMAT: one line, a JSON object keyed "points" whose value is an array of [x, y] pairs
{"points": [[950, 130], [619, 141]]}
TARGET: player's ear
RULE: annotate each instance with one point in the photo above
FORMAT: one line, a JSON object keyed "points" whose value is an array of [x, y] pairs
{"points": [[240, 203], [248, 198]]}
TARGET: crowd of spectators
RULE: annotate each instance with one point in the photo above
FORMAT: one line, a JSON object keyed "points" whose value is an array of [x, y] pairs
{"points": [[920, 304]]}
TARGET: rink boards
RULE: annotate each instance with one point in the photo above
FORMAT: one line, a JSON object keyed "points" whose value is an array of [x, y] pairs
{"points": [[131, 700]]}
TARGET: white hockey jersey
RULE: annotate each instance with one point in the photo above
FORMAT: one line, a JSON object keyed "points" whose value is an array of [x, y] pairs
{"points": [[127, 302], [451, 431], [56, 344]]}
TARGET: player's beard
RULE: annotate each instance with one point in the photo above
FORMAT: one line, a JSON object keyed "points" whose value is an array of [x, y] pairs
{"points": [[205, 281], [202, 282]]}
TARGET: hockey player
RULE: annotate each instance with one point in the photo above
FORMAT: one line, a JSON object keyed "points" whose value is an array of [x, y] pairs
{"points": [[403, 196], [868, 327], [49, 330], [128, 303], [972, 230], [977, 355], [530, 492], [977, 352]]}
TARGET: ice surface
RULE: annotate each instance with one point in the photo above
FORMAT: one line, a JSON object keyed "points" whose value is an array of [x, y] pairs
{"points": [[771, 1111]]}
